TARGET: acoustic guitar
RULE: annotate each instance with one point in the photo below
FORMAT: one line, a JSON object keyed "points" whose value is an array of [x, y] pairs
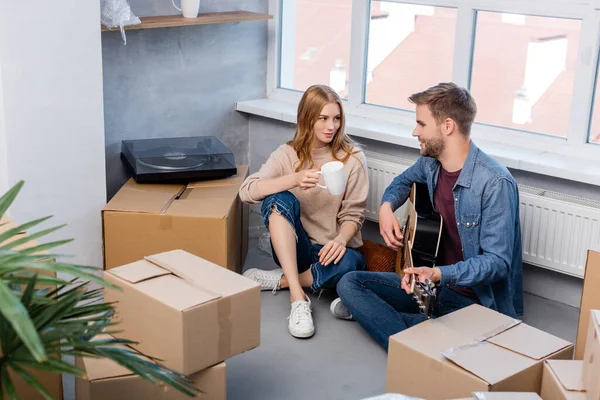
{"points": [[421, 238]]}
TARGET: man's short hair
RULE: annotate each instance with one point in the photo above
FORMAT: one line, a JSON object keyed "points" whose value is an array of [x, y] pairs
{"points": [[448, 100]]}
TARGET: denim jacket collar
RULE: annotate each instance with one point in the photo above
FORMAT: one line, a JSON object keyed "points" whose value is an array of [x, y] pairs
{"points": [[466, 174]]}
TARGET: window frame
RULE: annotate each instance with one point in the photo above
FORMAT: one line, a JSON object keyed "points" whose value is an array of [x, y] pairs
{"points": [[576, 142]]}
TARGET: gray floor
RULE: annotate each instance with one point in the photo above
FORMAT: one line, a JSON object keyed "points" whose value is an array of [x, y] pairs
{"points": [[340, 361]]}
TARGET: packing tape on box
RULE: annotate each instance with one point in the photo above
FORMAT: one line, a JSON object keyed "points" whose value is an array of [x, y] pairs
{"points": [[225, 328]]}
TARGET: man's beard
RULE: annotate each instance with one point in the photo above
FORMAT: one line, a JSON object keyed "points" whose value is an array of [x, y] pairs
{"points": [[433, 147]]}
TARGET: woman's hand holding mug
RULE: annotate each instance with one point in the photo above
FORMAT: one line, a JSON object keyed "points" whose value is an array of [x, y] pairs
{"points": [[307, 179]]}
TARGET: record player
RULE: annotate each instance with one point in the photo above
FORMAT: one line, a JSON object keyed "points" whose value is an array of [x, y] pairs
{"points": [[178, 160]]}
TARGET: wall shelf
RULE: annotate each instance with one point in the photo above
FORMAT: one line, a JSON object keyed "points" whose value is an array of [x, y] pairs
{"points": [[168, 21]]}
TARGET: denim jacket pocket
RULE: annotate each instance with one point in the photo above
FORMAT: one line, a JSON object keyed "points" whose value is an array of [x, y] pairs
{"points": [[470, 220]]}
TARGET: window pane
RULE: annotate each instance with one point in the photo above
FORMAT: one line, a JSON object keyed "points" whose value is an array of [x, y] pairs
{"points": [[411, 48], [523, 71], [315, 44], [594, 134]]}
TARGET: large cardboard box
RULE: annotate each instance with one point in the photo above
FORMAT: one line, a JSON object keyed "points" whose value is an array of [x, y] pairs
{"points": [[590, 299], [204, 218], [470, 350], [185, 310], [562, 380], [591, 358], [106, 379], [50, 381]]}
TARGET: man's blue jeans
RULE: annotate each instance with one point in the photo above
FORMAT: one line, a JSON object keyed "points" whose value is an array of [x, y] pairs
{"points": [[380, 305], [307, 253]]}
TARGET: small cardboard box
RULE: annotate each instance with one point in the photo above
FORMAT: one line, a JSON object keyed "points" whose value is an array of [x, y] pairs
{"points": [[562, 380], [591, 358], [185, 310], [204, 218], [106, 379], [474, 349], [590, 299]]}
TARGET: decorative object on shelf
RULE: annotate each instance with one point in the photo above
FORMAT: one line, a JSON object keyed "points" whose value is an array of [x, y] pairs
{"points": [[117, 13], [189, 8]]}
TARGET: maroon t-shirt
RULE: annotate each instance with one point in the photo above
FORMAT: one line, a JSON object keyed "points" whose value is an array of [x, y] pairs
{"points": [[450, 251]]}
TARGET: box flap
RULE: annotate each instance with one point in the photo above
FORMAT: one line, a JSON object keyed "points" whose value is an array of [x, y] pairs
{"points": [[236, 180], [491, 363], [149, 198], [103, 368], [138, 271], [444, 338], [176, 292], [489, 322], [529, 341], [506, 396], [204, 203], [569, 373], [202, 273]]}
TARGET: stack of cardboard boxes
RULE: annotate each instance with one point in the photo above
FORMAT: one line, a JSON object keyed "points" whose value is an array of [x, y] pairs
{"points": [[475, 351], [184, 310], [176, 251]]}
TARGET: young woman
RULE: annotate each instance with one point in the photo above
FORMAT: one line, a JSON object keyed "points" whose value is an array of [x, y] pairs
{"points": [[314, 235]]}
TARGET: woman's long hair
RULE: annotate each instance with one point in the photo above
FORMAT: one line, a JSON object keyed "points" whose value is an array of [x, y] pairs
{"points": [[309, 110]]}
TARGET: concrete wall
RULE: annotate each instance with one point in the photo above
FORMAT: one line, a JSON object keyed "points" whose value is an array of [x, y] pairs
{"points": [[266, 135], [182, 81]]}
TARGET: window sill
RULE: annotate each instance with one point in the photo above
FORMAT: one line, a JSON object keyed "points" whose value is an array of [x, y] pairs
{"points": [[536, 161]]}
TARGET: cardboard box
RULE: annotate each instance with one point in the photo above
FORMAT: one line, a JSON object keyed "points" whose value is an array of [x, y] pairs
{"points": [[51, 382], [204, 218], [106, 379], [591, 359], [184, 310], [504, 396], [471, 350], [562, 380], [590, 299]]}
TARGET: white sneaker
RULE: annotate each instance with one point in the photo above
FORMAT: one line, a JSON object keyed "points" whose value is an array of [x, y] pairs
{"points": [[300, 320], [269, 280], [338, 309]]}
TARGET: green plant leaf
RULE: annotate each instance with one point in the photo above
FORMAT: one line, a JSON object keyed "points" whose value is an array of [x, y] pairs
{"points": [[7, 199], [18, 317], [32, 381], [7, 383], [21, 228], [28, 238], [28, 294]]}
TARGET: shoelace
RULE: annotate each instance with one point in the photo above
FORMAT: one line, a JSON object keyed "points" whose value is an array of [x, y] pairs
{"points": [[301, 312], [266, 280]]}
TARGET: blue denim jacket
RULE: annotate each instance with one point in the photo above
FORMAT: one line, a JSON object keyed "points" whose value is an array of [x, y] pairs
{"points": [[487, 214]]}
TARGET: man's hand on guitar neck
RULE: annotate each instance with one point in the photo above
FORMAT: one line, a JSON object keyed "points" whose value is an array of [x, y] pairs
{"points": [[422, 273], [389, 227]]}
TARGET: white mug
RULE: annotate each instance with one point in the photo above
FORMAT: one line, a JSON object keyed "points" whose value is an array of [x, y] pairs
{"points": [[189, 8], [334, 175]]}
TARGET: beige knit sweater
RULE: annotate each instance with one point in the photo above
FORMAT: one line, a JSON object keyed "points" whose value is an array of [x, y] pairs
{"points": [[321, 213]]}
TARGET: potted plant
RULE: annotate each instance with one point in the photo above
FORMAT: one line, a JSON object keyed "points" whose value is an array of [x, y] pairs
{"points": [[43, 317]]}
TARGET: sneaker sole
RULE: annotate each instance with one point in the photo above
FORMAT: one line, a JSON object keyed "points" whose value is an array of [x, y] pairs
{"points": [[305, 335]]}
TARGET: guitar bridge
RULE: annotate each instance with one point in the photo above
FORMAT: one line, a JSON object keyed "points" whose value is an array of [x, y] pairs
{"points": [[425, 294]]}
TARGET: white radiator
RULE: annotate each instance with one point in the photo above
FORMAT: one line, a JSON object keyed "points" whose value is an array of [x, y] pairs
{"points": [[557, 229]]}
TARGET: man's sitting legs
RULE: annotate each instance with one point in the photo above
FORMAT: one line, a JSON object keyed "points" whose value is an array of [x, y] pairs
{"points": [[378, 303]]}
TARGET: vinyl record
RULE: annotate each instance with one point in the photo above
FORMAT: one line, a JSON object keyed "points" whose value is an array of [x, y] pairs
{"points": [[173, 160]]}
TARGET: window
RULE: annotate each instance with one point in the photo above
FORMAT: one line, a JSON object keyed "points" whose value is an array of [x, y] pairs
{"points": [[315, 44], [523, 71], [529, 64], [594, 132], [410, 48]]}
